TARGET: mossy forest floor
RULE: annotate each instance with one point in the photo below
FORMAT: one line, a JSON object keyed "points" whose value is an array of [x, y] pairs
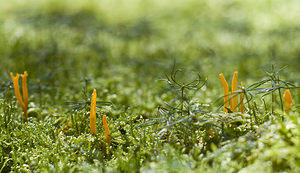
{"points": [[155, 65]]}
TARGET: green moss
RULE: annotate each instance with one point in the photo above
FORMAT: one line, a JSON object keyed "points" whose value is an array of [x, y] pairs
{"points": [[129, 52]]}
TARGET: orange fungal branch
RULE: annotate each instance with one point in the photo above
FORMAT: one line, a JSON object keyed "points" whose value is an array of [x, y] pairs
{"points": [[234, 103], [93, 113], [288, 102], [107, 137], [226, 92]]}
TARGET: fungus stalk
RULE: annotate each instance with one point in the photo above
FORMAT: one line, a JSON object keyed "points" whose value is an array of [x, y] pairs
{"points": [[226, 92], [107, 137], [288, 102], [234, 102], [93, 113]]}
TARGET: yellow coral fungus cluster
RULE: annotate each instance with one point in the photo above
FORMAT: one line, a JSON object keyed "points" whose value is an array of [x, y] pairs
{"points": [[23, 103], [93, 119], [231, 99]]}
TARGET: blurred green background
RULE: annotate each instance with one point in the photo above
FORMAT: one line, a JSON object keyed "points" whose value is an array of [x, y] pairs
{"points": [[120, 44]]}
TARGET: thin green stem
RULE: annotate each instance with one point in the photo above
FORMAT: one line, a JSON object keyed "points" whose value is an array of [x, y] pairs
{"points": [[182, 99], [249, 108], [281, 102]]}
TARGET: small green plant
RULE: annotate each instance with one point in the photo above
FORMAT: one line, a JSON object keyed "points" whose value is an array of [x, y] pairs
{"points": [[181, 87], [269, 86], [179, 121]]}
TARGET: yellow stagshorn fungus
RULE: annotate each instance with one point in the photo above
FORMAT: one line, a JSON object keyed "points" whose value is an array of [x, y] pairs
{"points": [[23, 104], [287, 100], [234, 100], [241, 100], [93, 113], [231, 99], [226, 92], [107, 137]]}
